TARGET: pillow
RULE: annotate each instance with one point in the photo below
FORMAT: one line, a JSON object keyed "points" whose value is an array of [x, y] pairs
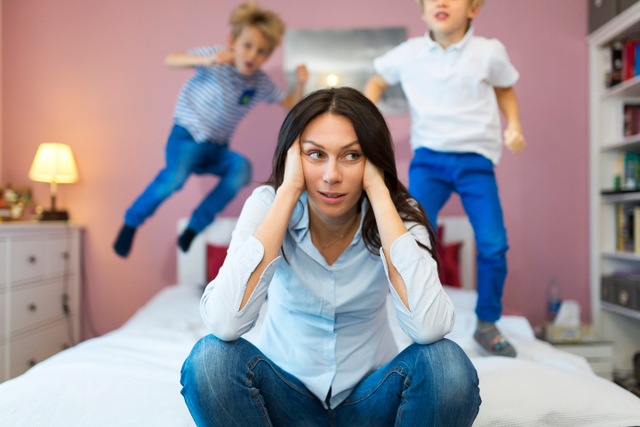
{"points": [[215, 258], [449, 255]]}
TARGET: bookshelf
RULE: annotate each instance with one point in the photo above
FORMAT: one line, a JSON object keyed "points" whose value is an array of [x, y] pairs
{"points": [[607, 142], [629, 88], [631, 143]]}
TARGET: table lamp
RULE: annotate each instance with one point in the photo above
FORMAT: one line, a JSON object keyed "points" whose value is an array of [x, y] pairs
{"points": [[54, 163]]}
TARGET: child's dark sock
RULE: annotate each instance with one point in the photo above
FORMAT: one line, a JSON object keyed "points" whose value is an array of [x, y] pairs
{"points": [[492, 341], [122, 246], [185, 239]]}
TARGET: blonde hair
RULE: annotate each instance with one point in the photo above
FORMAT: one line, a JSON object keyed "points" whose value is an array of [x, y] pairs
{"points": [[249, 14], [472, 3]]}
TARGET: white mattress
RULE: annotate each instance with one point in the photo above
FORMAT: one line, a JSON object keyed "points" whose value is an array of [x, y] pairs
{"points": [[130, 377]]}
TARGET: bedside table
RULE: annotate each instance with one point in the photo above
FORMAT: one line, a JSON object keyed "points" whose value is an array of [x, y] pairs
{"points": [[40, 281], [599, 354]]}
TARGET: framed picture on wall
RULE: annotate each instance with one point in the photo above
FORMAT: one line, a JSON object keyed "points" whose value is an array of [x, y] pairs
{"points": [[343, 57]]}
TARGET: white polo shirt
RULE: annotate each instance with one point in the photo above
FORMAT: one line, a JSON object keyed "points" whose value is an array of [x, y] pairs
{"points": [[450, 91]]}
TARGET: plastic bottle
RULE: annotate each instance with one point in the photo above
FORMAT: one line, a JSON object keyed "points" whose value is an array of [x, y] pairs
{"points": [[554, 299]]}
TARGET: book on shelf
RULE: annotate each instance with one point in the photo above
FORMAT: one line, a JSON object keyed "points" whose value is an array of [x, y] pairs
{"points": [[614, 70], [626, 173], [629, 59], [628, 227], [631, 120], [630, 171], [624, 61]]}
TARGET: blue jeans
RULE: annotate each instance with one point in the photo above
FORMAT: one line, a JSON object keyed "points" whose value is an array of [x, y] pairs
{"points": [[433, 176], [184, 157], [235, 384]]}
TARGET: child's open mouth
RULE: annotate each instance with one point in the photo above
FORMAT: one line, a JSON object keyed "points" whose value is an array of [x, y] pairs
{"points": [[441, 16]]}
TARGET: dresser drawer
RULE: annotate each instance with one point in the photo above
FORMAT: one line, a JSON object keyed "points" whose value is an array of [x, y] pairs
{"points": [[61, 258], [30, 306], [608, 289], [589, 351], [32, 349], [28, 260], [625, 4], [626, 293], [601, 12]]}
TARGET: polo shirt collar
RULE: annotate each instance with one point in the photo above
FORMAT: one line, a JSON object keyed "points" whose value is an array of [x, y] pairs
{"points": [[432, 44]]}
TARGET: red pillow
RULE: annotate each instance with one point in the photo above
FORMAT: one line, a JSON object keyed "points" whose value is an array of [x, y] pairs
{"points": [[449, 261], [215, 259], [449, 255]]}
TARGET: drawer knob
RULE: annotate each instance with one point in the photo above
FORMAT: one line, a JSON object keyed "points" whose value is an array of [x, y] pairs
{"points": [[31, 363], [32, 307], [65, 255], [623, 297], [32, 259]]}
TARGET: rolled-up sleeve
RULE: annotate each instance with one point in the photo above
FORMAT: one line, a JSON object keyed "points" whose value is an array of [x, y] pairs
{"points": [[220, 303], [430, 315]]}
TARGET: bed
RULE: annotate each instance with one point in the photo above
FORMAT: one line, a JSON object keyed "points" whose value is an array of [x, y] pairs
{"points": [[130, 377]]}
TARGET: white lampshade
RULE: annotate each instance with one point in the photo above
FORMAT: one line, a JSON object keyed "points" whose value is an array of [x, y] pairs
{"points": [[54, 163]]}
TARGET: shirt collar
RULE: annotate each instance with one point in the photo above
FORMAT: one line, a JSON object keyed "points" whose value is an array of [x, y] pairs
{"points": [[299, 222], [432, 44]]}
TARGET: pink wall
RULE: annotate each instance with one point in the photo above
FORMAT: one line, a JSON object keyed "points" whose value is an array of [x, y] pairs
{"points": [[91, 74]]}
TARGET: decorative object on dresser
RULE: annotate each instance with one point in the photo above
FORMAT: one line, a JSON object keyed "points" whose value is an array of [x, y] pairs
{"points": [[39, 293], [54, 163]]}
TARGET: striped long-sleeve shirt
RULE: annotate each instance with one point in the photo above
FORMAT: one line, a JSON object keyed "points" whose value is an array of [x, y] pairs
{"points": [[216, 98]]}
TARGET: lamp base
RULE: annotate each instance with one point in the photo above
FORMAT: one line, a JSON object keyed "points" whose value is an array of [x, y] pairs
{"points": [[54, 216]]}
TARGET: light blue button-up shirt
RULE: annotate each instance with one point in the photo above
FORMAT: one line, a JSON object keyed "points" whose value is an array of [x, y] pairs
{"points": [[325, 324]]}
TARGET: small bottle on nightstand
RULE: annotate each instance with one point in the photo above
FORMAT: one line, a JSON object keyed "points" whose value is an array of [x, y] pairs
{"points": [[554, 299]]}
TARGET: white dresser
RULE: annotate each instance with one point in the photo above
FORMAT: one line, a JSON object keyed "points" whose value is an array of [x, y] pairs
{"points": [[40, 302]]}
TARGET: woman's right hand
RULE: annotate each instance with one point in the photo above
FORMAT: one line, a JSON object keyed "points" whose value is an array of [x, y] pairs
{"points": [[293, 174]]}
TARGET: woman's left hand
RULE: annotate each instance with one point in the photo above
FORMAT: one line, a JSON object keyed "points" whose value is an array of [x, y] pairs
{"points": [[372, 178]]}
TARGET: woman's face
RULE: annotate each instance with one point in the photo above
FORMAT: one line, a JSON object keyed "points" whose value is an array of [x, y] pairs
{"points": [[333, 167]]}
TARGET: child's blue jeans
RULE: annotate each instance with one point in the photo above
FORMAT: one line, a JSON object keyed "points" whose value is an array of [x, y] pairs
{"points": [[235, 384], [433, 176], [184, 157]]}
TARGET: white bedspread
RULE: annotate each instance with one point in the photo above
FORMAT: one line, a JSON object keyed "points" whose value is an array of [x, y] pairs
{"points": [[130, 377]]}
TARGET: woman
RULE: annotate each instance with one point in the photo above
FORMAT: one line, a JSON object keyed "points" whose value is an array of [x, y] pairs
{"points": [[348, 233]]}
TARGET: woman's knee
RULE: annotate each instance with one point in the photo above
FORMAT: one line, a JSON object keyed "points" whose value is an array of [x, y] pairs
{"points": [[452, 370], [211, 361]]}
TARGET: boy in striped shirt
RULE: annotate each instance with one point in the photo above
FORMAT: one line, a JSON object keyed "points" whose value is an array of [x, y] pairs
{"points": [[227, 83]]}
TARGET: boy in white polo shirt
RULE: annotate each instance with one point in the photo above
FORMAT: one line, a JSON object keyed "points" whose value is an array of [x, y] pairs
{"points": [[227, 83], [455, 82]]}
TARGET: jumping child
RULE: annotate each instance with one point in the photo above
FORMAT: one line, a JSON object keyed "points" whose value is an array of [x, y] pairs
{"points": [[227, 83], [455, 82]]}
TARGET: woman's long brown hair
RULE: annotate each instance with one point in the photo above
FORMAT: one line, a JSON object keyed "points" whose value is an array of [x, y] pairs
{"points": [[374, 139]]}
